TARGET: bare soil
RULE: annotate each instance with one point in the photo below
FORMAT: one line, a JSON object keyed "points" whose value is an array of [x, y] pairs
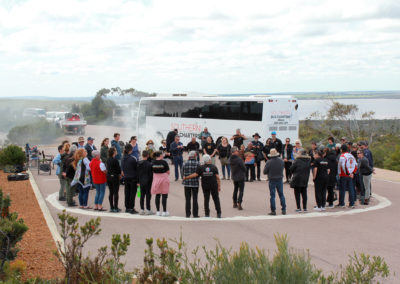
{"points": [[37, 246]]}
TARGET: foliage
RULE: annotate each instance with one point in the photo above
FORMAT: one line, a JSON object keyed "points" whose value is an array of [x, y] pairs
{"points": [[392, 162], [12, 155], [104, 267], [11, 231], [248, 266], [39, 131]]}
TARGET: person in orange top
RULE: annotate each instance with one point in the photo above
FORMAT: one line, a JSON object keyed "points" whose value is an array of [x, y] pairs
{"points": [[98, 170]]}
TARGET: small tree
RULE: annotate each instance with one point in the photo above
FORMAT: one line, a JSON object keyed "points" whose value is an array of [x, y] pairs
{"points": [[12, 155], [11, 231]]}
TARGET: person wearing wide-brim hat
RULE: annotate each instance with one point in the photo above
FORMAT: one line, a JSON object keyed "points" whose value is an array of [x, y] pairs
{"points": [[81, 142], [258, 146], [274, 170]]}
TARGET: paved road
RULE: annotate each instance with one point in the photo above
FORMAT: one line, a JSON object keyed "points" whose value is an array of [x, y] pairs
{"points": [[329, 238]]}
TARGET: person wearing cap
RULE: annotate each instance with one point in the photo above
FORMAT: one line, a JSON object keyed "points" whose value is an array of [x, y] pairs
{"points": [[89, 147], [191, 185], [276, 143], [238, 138], [170, 138], [81, 142], [210, 184], [99, 177], [274, 170], [258, 146], [239, 171]]}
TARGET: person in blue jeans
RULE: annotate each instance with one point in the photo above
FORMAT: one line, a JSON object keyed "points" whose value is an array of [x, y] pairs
{"points": [[176, 150], [274, 169]]}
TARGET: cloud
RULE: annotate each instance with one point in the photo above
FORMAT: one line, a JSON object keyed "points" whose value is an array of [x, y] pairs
{"points": [[174, 45]]}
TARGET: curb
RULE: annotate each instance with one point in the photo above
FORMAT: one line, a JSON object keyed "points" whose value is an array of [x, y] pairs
{"points": [[46, 212], [383, 202]]}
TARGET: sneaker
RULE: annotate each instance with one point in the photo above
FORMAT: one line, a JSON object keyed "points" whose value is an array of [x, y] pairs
{"points": [[112, 210], [305, 210], [323, 209], [141, 212], [273, 213], [149, 212], [259, 179], [331, 206], [283, 212], [219, 215], [317, 209], [128, 210], [158, 213], [352, 206], [165, 214], [298, 210], [133, 211], [117, 210]]}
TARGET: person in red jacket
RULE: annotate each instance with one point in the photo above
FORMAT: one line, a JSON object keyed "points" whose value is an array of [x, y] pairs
{"points": [[98, 170]]}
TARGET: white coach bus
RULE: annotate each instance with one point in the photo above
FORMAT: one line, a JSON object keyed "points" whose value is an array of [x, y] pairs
{"points": [[222, 115]]}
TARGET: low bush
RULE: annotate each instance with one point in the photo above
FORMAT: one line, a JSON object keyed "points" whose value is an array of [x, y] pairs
{"points": [[11, 231], [12, 155], [40, 131]]}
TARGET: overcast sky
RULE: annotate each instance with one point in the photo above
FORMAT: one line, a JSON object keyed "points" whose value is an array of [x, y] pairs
{"points": [[74, 48]]}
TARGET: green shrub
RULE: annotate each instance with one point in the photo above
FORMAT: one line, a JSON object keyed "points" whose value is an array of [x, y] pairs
{"points": [[40, 131], [12, 155], [11, 231]]}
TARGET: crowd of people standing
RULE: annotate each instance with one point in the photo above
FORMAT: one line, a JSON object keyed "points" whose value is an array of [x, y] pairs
{"points": [[343, 167]]}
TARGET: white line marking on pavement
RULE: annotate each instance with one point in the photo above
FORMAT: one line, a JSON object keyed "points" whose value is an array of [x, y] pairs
{"points": [[45, 210], [383, 202]]}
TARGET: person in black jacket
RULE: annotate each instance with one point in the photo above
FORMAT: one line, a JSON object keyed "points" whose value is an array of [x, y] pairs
{"points": [[239, 171], [330, 156], [129, 171], [113, 177], [287, 157], [145, 179], [276, 143], [170, 138], [300, 175], [320, 177]]}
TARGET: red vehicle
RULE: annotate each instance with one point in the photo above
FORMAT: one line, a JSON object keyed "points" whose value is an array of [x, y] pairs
{"points": [[73, 123]]}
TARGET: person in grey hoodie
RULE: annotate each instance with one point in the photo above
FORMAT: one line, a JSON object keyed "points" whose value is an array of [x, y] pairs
{"points": [[238, 169], [274, 169]]}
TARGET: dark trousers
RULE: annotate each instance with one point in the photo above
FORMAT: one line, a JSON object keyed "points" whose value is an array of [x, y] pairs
{"points": [[178, 162], [113, 186], [301, 191], [164, 201], [189, 192], [213, 191], [251, 168], [346, 184], [288, 173], [320, 192], [331, 194], [258, 166], [238, 187], [130, 193], [145, 193]]}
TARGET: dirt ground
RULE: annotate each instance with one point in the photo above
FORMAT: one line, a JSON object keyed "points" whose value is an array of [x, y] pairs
{"points": [[37, 246]]}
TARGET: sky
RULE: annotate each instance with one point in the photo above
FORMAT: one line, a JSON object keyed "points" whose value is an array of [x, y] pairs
{"points": [[74, 48]]}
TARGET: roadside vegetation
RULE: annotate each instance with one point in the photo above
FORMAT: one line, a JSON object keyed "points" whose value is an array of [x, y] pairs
{"points": [[383, 136], [172, 262]]}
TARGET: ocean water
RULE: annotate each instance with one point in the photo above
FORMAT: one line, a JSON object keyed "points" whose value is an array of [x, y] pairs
{"points": [[383, 108]]}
